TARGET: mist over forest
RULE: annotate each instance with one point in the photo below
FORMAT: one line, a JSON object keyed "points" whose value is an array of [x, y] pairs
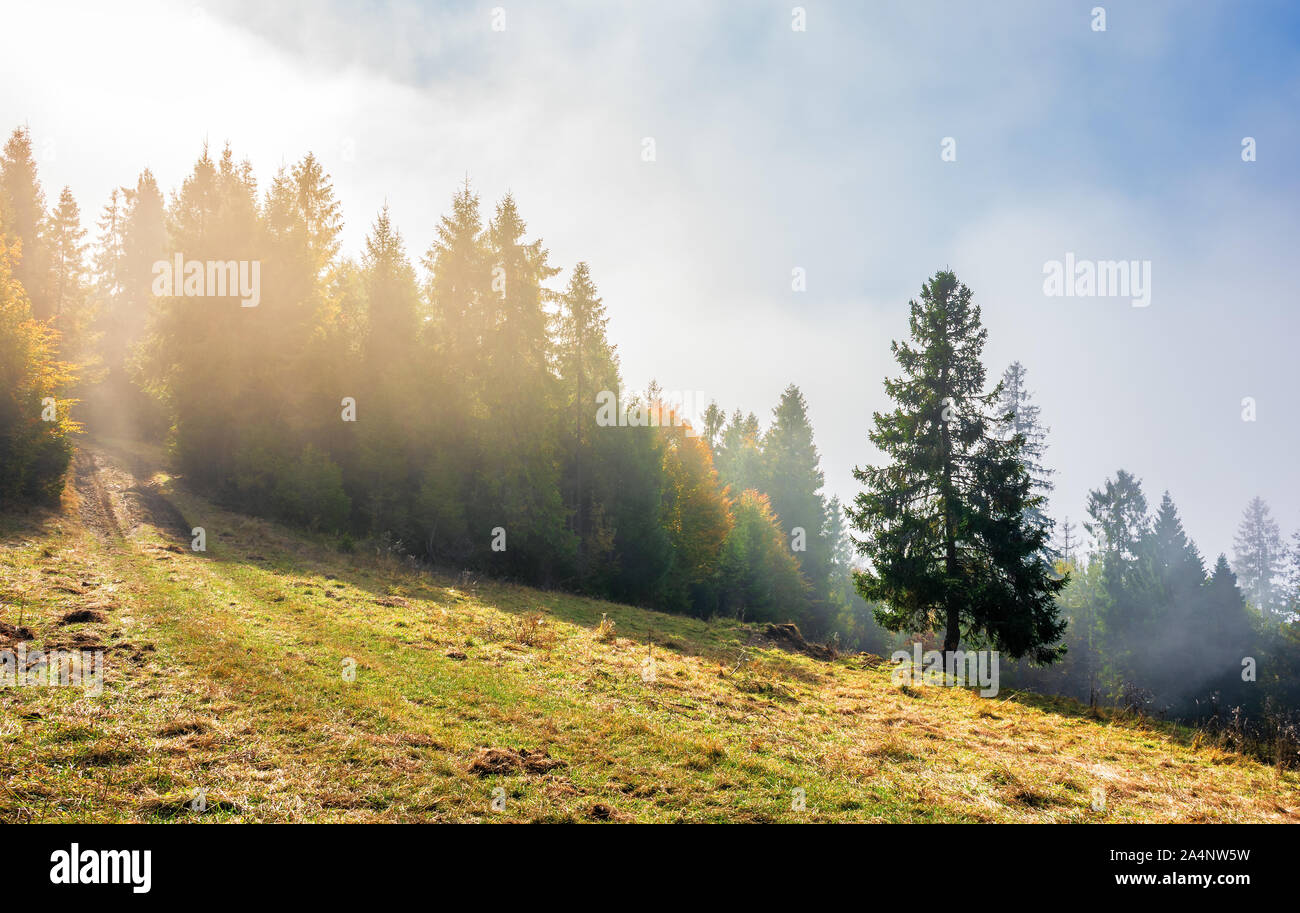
{"points": [[657, 413], [462, 405]]}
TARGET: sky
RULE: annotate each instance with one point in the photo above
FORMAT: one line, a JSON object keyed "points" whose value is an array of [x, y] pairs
{"points": [[778, 149]]}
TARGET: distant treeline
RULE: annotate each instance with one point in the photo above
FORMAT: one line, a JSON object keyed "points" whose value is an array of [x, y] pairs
{"points": [[1152, 629]]}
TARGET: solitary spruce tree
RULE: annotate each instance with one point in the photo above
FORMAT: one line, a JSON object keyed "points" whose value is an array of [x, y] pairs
{"points": [[946, 522]]}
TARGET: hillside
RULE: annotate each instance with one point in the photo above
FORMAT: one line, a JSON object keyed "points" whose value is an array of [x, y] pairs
{"points": [[225, 672]]}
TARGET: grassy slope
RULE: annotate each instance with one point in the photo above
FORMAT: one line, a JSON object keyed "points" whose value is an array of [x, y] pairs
{"points": [[225, 673]]}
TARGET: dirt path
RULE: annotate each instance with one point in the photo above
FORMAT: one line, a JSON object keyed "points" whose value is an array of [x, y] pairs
{"points": [[113, 501], [94, 503]]}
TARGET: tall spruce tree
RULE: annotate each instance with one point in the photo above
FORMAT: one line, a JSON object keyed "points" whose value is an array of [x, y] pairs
{"points": [[795, 481], [587, 367], [1259, 557], [946, 523], [1293, 575], [517, 481], [1120, 525], [132, 238], [1177, 559], [23, 204], [1022, 416], [1069, 543], [68, 284], [713, 419], [740, 454]]}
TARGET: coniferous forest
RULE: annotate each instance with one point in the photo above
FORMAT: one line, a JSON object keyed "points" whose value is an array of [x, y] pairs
{"points": [[451, 396]]}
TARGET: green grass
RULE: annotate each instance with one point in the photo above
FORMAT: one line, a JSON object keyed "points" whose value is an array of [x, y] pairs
{"points": [[225, 672]]}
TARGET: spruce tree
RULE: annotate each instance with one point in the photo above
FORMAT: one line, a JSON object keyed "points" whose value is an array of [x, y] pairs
{"points": [[1129, 604], [517, 479], [1259, 556], [1069, 543], [132, 238], [1177, 559], [1022, 416], [24, 217], [68, 283], [1293, 575], [197, 358], [392, 406], [795, 480], [713, 420], [740, 454], [946, 521], [587, 367]]}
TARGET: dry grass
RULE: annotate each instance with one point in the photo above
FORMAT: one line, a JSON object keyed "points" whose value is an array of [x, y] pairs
{"points": [[474, 700]]}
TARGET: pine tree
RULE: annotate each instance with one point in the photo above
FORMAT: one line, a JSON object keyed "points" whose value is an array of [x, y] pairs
{"points": [[72, 288], [1226, 633], [1069, 543], [1178, 561], [792, 467], [945, 523], [588, 367], [132, 238], [393, 302], [199, 358], [1293, 575], [1129, 603], [1259, 558], [1119, 519], [760, 577], [714, 419], [66, 240], [110, 249], [69, 288], [389, 392], [1022, 416], [517, 482], [24, 208], [740, 455], [458, 277]]}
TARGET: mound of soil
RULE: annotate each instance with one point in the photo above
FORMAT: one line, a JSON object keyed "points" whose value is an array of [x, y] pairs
{"points": [[14, 634], [788, 637], [78, 616], [489, 761]]}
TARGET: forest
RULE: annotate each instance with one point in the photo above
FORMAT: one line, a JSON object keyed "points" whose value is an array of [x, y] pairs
{"points": [[438, 400]]}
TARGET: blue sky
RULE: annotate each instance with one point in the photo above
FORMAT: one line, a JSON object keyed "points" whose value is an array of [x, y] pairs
{"points": [[779, 149]]}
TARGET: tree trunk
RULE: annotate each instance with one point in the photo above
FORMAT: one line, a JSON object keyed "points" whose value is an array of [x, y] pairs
{"points": [[952, 637]]}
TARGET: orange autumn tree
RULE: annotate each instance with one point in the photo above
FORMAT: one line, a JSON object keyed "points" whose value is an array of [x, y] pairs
{"points": [[696, 514], [35, 416]]}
